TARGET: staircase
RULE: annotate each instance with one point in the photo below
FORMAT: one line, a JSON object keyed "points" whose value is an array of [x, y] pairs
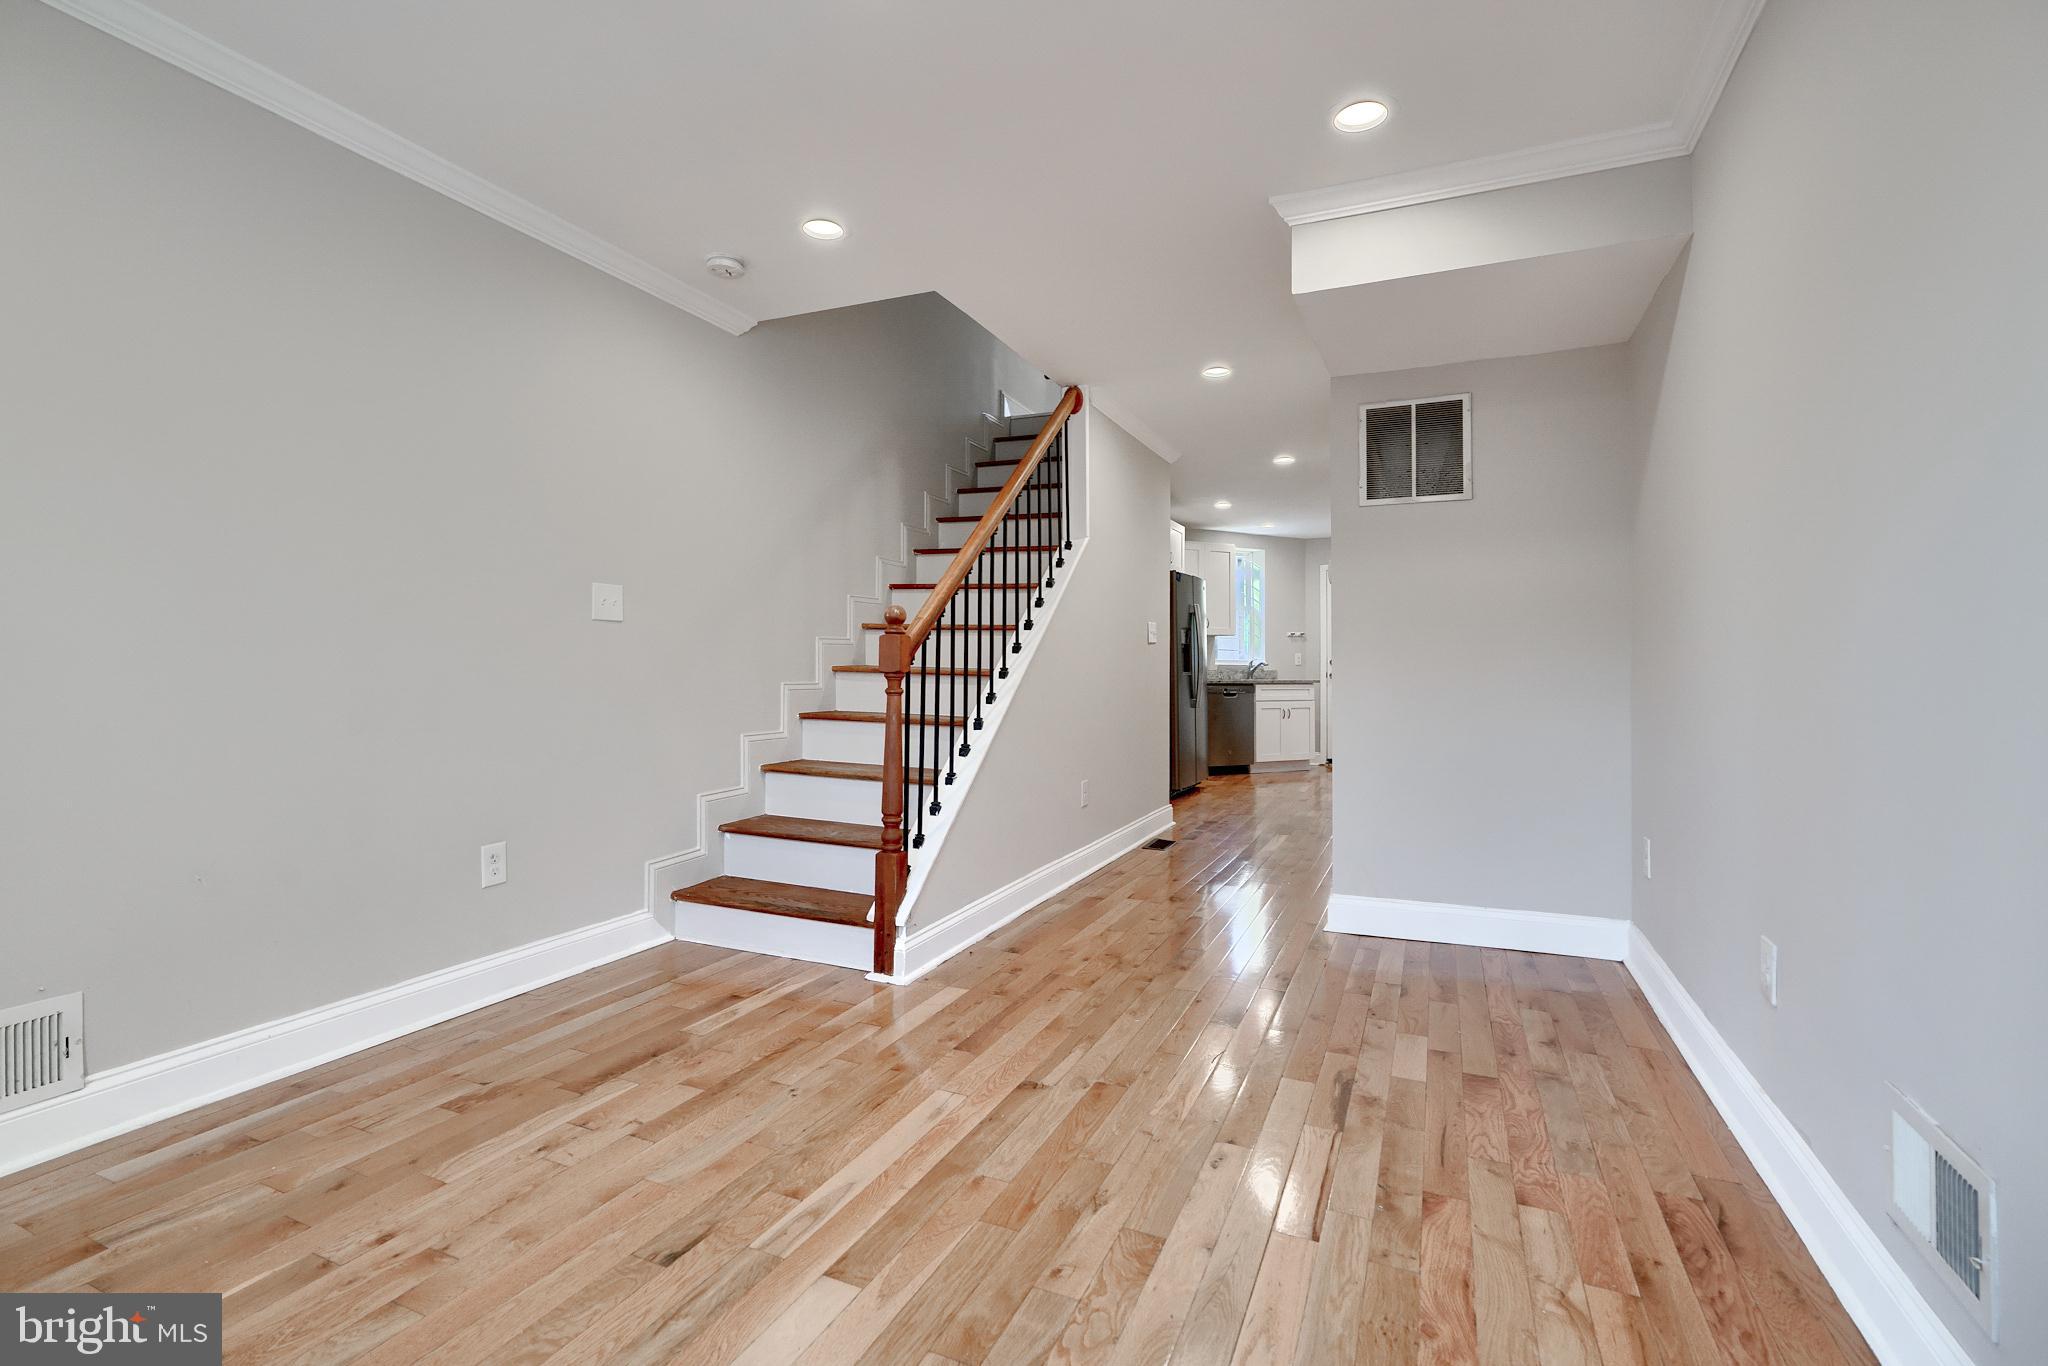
{"points": [[882, 768]]}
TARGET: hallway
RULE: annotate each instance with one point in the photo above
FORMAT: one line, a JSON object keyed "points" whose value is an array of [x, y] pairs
{"points": [[1164, 1115]]}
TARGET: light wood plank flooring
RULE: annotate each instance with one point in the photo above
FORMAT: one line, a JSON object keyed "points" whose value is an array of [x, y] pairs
{"points": [[1164, 1116]]}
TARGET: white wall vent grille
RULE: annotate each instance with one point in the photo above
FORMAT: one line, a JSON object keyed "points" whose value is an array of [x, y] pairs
{"points": [[1416, 451], [42, 1050], [1942, 1199]]}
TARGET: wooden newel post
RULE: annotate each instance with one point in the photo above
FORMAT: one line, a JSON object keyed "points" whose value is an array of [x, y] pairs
{"points": [[892, 864]]}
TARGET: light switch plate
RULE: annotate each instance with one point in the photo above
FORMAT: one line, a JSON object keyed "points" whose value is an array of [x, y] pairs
{"points": [[1151, 633], [607, 602]]}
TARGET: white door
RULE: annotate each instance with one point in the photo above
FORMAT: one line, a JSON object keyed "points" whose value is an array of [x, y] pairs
{"points": [[1327, 670]]}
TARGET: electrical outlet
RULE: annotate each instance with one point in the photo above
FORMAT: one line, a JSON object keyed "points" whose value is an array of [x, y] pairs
{"points": [[1151, 633], [1084, 792], [607, 602], [1647, 867], [494, 864], [1767, 971]]}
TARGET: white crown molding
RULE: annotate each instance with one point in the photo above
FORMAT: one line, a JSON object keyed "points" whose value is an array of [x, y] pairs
{"points": [[1896, 1320], [1726, 32], [165, 38], [117, 1099]]}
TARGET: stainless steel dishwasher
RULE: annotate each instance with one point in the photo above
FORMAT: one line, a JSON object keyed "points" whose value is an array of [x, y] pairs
{"points": [[1231, 720]]}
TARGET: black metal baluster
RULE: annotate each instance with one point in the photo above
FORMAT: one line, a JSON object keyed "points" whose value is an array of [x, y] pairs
{"points": [[1041, 559], [936, 661], [914, 720], [948, 686], [1066, 477], [991, 640]]}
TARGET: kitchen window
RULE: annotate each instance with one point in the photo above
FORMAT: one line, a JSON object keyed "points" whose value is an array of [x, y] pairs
{"points": [[1247, 642]]}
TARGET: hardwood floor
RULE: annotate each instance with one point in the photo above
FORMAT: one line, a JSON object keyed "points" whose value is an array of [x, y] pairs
{"points": [[1164, 1116]]}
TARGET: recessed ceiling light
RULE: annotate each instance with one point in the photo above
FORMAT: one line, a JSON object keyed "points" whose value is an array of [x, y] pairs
{"points": [[1265, 524], [1283, 460], [824, 229], [1222, 503], [1215, 372], [1360, 115]]}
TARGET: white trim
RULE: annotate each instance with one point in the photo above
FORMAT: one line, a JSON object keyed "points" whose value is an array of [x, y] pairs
{"points": [[1897, 1322], [165, 38], [1726, 32], [1582, 936], [924, 949], [119, 1099]]}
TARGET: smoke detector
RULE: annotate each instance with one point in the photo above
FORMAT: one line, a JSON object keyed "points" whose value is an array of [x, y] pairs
{"points": [[725, 267]]}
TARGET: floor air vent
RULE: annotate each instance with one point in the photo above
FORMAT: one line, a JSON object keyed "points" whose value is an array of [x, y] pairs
{"points": [[1161, 843], [1942, 1199], [42, 1050]]}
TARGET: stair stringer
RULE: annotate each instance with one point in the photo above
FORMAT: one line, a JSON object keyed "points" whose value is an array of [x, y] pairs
{"points": [[748, 797]]}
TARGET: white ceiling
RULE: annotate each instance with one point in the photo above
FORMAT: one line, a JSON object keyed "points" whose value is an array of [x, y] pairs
{"points": [[1088, 180]]}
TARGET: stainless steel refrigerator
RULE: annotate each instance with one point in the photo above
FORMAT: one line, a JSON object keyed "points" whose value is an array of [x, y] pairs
{"points": [[1190, 668]]}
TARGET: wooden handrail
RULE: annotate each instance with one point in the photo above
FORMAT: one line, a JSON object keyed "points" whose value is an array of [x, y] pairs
{"points": [[901, 637], [984, 530]]}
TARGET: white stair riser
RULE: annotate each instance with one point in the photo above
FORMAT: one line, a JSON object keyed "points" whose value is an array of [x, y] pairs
{"points": [[1027, 424], [825, 799], [974, 504], [840, 867], [909, 599], [857, 692], [951, 535], [847, 946], [928, 566], [844, 742]]}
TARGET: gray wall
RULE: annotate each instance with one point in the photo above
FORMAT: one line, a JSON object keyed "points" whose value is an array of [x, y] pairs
{"points": [[1841, 740], [1093, 704], [1481, 704], [307, 472]]}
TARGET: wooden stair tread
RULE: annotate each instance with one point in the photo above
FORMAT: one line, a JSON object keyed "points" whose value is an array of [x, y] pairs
{"points": [[1016, 460], [807, 830], [874, 717], [876, 668], [780, 898], [833, 768], [999, 488]]}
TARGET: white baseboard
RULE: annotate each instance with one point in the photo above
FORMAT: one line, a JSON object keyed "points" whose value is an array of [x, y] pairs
{"points": [[1583, 936], [1897, 1322], [119, 1099], [924, 949]]}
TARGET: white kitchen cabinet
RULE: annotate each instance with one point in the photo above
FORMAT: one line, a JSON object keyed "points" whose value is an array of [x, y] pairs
{"points": [[1218, 568], [1284, 724], [1176, 545]]}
